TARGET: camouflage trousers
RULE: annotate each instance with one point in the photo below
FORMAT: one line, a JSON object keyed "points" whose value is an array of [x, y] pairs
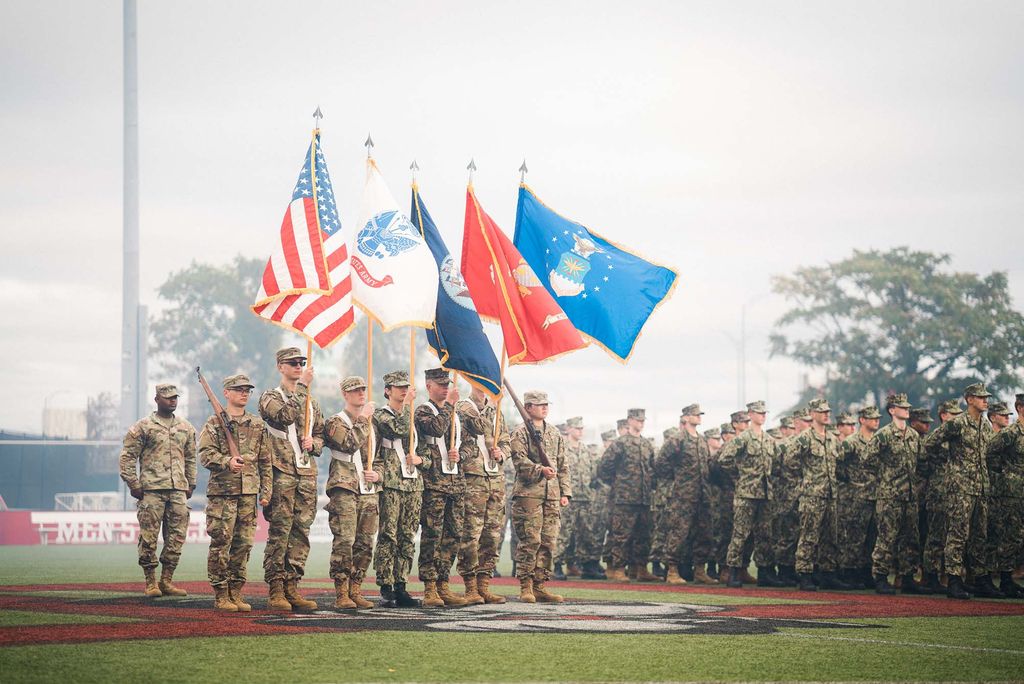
{"points": [[659, 528], [722, 507], [587, 532], [536, 522], [966, 535], [818, 543], [353, 521], [163, 510], [231, 525], [933, 556], [1005, 532], [751, 522], [396, 536], [896, 548], [507, 528], [785, 530], [857, 532], [483, 518], [629, 539], [564, 549], [688, 538], [292, 510], [441, 530]]}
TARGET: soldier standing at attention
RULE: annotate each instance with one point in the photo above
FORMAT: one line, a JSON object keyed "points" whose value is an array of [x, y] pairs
{"points": [[578, 517], [1005, 457], [482, 457], [441, 517], [786, 505], [726, 478], [601, 511], [661, 512], [231, 494], [626, 467], [857, 473], [164, 447], [999, 416], [714, 438], [935, 456], [921, 421], [353, 509], [402, 495]]}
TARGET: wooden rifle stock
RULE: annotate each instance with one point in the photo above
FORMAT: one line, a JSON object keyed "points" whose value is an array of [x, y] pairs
{"points": [[222, 416], [530, 430]]}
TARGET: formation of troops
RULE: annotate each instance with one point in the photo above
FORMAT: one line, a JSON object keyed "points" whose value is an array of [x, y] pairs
{"points": [[810, 503]]}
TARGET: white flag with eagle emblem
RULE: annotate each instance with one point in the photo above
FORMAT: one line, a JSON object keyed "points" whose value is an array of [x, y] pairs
{"points": [[394, 275]]}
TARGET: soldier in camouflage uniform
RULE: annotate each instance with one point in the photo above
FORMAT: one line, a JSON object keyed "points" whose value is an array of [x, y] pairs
{"points": [[966, 479], [507, 529], [999, 415], [293, 502], [935, 456], [600, 492], [402, 493], [785, 523], [578, 519], [482, 457], [725, 481], [626, 467], [857, 476], [815, 452], [353, 511], [539, 495], [895, 449], [1005, 456], [921, 421], [164, 447], [714, 439], [751, 456], [660, 516], [441, 517], [232, 492]]}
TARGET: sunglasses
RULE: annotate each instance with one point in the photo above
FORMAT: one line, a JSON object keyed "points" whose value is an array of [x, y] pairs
{"points": [[241, 390], [295, 363]]}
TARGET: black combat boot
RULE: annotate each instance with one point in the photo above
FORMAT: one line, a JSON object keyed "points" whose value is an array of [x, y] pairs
{"points": [[558, 574], [734, 579], [882, 585], [1009, 588], [955, 588], [713, 570], [985, 589], [685, 571], [404, 599], [787, 576], [765, 577], [659, 569], [592, 570], [806, 582], [931, 580], [388, 597], [831, 582], [909, 586]]}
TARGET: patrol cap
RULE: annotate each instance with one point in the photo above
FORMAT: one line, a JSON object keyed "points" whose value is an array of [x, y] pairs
{"points": [[289, 353], [535, 397], [398, 378], [786, 422], [921, 415], [670, 433], [563, 428], [438, 375], [774, 433], [727, 429], [845, 418], [692, 410], [802, 414], [976, 390], [819, 405], [620, 423], [951, 406], [575, 422], [239, 381], [167, 390], [999, 408], [869, 413], [636, 414], [831, 428], [713, 433], [898, 400], [757, 407], [609, 435], [739, 417], [352, 382]]}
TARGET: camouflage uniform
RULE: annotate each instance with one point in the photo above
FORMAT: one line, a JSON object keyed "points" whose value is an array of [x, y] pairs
{"points": [[165, 450], [935, 457], [750, 456], [816, 456], [587, 534], [1005, 456], [723, 490], [683, 466], [441, 515], [785, 524], [578, 458], [858, 479], [626, 467], [896, 454], [400, 499], [509, 471]]}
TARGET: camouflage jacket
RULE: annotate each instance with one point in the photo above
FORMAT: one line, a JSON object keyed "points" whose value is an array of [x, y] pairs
{"points": [[816, 456], [344, 441], [253, 442], [785, 479], [430, 427], [478, 421], [966, 471], [935, 454], [279, 409], [530, 482], [582, 469], [1006, 462], [750, 456], [856, 471], [683, 464], [896, 455], [392, 428], [627, 466], [165, 451]]}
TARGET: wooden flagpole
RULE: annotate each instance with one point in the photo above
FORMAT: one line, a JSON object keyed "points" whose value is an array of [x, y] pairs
{"points": [[309, 394], [412, 381], [369, 383]]}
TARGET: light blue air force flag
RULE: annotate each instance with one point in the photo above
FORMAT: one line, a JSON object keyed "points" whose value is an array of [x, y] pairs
{"points": [[606, 291], [458, 336]]}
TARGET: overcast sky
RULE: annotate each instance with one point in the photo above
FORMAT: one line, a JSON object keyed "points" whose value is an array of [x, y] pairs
{"points": [[731, 140]]}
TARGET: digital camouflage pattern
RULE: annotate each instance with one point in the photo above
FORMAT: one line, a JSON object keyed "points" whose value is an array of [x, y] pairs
{"points": [[253, 443], [441, 514], [857, 479], [817, 457], [535, 500], [279, 409], [484, 512], [231, 525], [627, 467], [166, 511], [400, 500], [935, 453], [684, 465], [581, 470], [896, 453], [1005, 457]]}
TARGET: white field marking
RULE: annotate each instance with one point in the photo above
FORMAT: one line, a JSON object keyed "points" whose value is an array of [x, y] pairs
{"points": [[917, 644]]}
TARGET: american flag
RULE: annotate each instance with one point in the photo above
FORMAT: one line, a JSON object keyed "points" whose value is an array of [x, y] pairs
{"points": [[306, 285]]}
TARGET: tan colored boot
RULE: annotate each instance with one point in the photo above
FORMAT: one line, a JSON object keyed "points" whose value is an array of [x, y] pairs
{"points": [[166, 587], [616, 575], [747, 577], [573, 570], [543, 595], [642, 575], [342, 595], [152, 590], [673, 575], [235, 594], [430, 596], [526, 590], [450, 598], [277, 600], [291, 592], [222, 599], [355, 592], [473, 596], [483, 587], [701, 576]]}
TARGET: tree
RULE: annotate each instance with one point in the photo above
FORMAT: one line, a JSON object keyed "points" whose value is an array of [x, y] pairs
{"points": [[900, 321]]}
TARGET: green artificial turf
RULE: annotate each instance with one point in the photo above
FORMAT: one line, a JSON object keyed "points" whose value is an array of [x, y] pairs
{"points": [[24, 618]]}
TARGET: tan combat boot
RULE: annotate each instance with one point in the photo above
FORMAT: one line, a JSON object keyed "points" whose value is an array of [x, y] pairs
{"points": [[642, 575], [277, 600], [673, 575], [355, 592], [430, 597], [543, 595], [291, 592], [483, 586], [747, 577], [526, 590], [473, 596], [152, 590], [449, 598], [700, 575], [342, 598], [235, 594], [222, 600], [166, 587], [573, 570], [616, 575]]}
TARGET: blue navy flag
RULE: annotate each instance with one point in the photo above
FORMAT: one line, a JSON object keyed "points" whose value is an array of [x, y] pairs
{"points": [[458, 335], [606, 291]]}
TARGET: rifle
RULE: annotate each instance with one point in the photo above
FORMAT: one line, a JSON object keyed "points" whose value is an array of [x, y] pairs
{"points": [[222, 415], [530, 430]]}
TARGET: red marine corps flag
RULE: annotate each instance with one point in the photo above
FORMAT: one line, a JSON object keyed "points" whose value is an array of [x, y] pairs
{"points": [[504, 288]]}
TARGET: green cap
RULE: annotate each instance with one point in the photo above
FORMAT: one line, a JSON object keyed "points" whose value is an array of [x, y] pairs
{"points": [[727, 429], [167, 390], [898, 400], [692, 410], [739, 417], [845, 418], [670, 433], [289, 353], [921, 415], [774, 433], [398, 378], [713, 433], [802, 414], [620, 423], [609, 435], [757, 407], [636, 414], [999, 408], [239, 381], [819, 405], [439, 375], [950, 406], [535, 397], [869, 413], [575, 422], [976, 390], [352, 382], [786, 422]]}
